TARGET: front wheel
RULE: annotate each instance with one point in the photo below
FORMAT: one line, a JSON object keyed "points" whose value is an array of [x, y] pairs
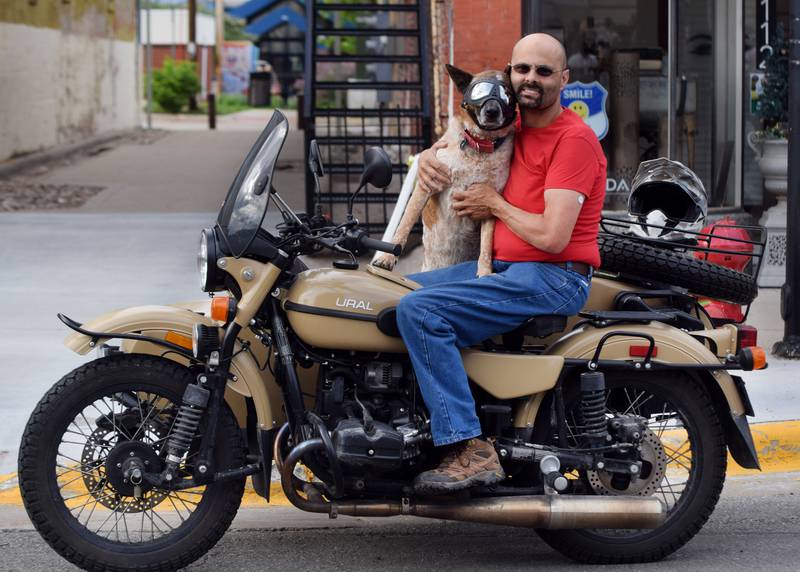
{"points": [[71, 468], [685, 458]]}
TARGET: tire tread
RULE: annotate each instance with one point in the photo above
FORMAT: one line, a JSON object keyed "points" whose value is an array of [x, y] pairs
{"points": [[29, 450]]}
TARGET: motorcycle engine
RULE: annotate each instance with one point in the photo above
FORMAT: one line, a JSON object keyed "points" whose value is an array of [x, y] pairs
{"points": [[374, 414]]}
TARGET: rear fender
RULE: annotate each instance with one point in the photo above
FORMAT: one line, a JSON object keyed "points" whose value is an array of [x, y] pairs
{"points": [[156, 321], [674, 346]]}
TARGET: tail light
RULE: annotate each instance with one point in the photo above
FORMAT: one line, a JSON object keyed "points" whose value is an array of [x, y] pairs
{"points": [[748, 336]]}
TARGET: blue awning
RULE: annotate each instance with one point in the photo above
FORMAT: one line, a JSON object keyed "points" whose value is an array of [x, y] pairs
{"points": [[274, 19], [253, 8]]}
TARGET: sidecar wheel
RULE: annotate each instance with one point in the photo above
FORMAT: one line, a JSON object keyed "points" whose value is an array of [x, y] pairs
{"points": [[682, 416], [103, 412]]}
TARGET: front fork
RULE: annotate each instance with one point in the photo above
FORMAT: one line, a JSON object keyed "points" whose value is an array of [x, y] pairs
{"points": [[205, 398]]}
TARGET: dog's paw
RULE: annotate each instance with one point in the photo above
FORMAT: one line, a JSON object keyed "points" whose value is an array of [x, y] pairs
{"points": [[385, 260], [484, 271]]}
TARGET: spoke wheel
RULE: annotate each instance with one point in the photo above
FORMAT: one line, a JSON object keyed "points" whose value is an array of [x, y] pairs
{"points": [[78, 465], [684, 461]]}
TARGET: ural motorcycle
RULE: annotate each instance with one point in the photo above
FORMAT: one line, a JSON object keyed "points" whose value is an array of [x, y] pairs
{"points": [[612, 426]]}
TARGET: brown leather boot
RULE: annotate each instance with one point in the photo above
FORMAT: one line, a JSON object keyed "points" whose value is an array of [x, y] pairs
{"points": [[467, 464]]}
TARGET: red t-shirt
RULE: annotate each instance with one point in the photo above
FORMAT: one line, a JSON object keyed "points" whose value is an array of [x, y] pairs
{"points": [[564, 155]]}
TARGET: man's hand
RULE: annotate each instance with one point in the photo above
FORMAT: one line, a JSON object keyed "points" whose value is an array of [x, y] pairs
{"points": [[476, 202], [433, 176]]}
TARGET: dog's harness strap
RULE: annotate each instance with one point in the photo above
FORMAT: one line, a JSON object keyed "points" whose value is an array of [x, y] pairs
{"points": [[481, 145]]}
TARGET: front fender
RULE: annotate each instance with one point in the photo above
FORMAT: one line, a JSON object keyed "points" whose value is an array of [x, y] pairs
{"points": [[157, 321]]}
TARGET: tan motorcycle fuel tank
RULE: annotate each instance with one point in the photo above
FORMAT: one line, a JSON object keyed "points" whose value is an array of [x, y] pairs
{"points": [[334, 308]]}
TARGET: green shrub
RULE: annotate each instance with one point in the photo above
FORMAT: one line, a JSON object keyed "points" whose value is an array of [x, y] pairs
{"points": [[174, 84]]}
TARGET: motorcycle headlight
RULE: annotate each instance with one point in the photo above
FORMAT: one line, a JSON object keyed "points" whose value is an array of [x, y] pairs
{"points": [[207, 261]]}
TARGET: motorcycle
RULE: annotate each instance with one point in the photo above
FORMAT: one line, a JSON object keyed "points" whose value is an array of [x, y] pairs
{"points": [[612, 426]]}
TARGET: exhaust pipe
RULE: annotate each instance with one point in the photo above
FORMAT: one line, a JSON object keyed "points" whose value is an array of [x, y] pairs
{"points": [[535, 511]]}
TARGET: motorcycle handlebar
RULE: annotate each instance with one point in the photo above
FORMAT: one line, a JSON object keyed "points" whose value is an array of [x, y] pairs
{"points": [[367, 242]]}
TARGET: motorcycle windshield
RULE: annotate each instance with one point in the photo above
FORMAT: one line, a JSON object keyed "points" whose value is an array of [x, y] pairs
{"points": [[246, 203]]}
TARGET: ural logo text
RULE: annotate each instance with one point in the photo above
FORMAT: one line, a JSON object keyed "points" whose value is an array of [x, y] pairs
{"points": [[353, 303]]}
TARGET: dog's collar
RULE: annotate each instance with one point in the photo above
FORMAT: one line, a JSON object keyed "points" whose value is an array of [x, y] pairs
{"points": [[481, 145]]}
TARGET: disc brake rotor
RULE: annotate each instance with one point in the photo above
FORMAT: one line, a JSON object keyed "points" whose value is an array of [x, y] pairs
{"points": [[99, 458], [652, 453]]}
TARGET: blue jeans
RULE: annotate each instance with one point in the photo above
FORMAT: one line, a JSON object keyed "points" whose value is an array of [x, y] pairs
{"points": [[454, 309]]}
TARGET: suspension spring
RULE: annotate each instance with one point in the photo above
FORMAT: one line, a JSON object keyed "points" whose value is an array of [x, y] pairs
{"points": [[593, 407], [186, 423]]}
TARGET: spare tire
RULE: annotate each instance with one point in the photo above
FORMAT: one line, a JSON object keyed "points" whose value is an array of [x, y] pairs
{"points": [[632, 257]]}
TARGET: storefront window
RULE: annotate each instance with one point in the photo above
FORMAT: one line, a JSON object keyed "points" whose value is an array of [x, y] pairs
{"points": [[621, 46], [763, 22], [646, 66]]}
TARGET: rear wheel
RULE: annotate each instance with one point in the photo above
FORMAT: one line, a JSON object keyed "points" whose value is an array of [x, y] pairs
{"points": [[684, 458], [74, 452]]}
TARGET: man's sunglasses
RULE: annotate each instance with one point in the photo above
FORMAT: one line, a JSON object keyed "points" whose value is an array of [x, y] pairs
{"points": [[525, 69]]}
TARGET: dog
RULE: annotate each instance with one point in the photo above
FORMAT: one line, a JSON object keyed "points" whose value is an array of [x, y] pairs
{"points": [[479, 144]]}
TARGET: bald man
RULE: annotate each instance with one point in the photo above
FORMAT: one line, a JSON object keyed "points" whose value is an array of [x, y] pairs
{"points": [[545, 249]]}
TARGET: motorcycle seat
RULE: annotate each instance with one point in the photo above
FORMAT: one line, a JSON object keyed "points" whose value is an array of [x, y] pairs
{"points": [[536, 327]]}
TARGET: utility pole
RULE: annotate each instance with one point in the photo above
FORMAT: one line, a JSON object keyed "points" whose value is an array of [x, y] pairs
{"points": [[191, 47], [789, 347], [149, 59], [220, 13]]}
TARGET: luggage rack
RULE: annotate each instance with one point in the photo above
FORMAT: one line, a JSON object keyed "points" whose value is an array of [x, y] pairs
{"points": [[700, 242]]}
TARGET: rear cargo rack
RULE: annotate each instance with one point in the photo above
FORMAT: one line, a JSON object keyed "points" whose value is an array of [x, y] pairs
{"points": [[699, 243]]}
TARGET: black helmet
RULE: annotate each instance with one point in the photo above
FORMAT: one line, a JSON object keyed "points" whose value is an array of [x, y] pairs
{"points": [[666, 193]]}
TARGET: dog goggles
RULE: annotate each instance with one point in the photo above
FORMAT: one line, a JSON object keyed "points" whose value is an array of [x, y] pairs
{"points": [[481, 91]]}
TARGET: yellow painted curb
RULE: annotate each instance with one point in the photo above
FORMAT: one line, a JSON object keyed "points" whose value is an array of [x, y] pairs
{"points": [[778, 448], [777, 444]]}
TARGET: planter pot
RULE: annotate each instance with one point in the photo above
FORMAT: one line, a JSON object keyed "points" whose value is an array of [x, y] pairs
{"points": [[772, 156], [773, 162]]}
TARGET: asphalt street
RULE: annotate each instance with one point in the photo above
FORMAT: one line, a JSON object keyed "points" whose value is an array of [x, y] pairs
{"points": [[756, 526]]}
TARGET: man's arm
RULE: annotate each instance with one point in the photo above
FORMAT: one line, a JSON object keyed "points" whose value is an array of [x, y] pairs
{"points": [[550, 231]]}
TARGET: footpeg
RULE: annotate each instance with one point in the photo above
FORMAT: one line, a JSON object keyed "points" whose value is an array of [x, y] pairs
{"points": [[554, 481]]}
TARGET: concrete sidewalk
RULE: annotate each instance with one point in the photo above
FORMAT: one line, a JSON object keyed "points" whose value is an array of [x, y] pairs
{"points": [[186, 170]]}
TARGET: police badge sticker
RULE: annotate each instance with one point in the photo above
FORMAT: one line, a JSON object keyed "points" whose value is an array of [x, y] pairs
{"points": [[588, 100]]}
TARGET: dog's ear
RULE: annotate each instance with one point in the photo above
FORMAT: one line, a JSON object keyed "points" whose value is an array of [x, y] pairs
{"points": [[461, 78]]}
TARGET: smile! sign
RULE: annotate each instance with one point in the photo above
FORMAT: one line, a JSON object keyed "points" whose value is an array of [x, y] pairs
{"points": [[589, 101]]}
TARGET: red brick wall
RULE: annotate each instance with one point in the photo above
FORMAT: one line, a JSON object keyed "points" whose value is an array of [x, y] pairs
{"points": [[484, 32]]}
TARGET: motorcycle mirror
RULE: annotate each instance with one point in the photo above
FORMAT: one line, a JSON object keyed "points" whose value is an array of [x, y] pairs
{"points": [[315, 159], [377, 172], [377, 168]]}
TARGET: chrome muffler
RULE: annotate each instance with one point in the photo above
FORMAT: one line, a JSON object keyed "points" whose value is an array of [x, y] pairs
{"points": [[535, 511]]}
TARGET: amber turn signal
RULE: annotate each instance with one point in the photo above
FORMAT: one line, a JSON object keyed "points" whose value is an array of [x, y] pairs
{"points": [[223, 309], [752, 358], [179, 340]]}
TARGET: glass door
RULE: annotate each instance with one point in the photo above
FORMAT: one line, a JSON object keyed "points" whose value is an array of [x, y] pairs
{"points": [[620, 46]]}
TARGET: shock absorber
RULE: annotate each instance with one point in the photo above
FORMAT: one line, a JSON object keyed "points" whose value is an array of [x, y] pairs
{"points": [[185, 427], [593, 407]]}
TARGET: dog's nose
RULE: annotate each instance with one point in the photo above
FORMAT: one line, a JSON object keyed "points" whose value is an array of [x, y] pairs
{"points": [[492, 113]]}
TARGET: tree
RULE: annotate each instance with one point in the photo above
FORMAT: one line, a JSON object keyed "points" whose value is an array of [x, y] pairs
{"points": [[774, 110]]}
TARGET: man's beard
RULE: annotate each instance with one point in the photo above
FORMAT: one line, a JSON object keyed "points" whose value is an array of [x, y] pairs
{"points": [[530, 101]]}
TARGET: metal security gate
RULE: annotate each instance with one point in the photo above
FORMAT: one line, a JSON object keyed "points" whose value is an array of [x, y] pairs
{"points": [[367, 84]]}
